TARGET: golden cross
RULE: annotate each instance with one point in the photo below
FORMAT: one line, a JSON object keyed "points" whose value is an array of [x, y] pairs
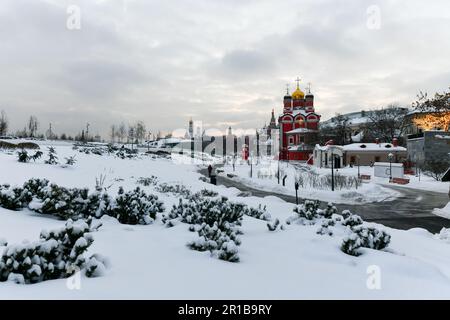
{"points": [[298, 82]]}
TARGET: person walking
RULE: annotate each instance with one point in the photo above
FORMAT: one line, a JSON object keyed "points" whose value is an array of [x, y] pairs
{"points": [[209, 170]]}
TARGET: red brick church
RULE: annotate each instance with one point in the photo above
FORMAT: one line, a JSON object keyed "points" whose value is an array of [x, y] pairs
{"points": [[299, 126]]}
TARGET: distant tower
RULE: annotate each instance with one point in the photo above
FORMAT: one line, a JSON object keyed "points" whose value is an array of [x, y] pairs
{"points": [[191, 128], [229, 131]]}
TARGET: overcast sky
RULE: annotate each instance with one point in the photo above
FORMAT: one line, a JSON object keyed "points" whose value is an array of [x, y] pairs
{"points": [[223, 62]]}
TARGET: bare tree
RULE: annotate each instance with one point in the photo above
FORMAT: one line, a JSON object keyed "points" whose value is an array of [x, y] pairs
{"points": [[140, 131], [113, 133], [440, 102], [122, 132], [3, 123], [339, 130], [131, 135], [387, 124], [33, 125]]}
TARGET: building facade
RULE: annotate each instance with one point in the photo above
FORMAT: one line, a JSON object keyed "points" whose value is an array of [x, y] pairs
{"points": [[299, 126], [429, 146]]}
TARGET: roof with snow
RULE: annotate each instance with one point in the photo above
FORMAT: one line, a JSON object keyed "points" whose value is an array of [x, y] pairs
{"points": [[371, 147], [301, 130]]}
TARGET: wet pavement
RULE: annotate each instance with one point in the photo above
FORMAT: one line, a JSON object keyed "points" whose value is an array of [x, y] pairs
{"points": [[413, 209]]}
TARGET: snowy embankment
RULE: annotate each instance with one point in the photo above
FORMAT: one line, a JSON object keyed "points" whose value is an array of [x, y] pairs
{"points": [[443, 212], [153, 262]]}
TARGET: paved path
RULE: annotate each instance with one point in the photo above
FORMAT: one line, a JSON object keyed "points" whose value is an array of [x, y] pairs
{"points": [[412, 209]]}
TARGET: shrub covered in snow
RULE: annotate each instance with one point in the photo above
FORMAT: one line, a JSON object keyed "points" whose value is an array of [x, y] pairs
{"points": [[176, 189], [70, 161], [259, 213], [306, 212], [274, 225], [365, 237], [22, 156], [52, 157], [150, 181], [217, 222], [58, 254], [135, 207], [12, 198]]}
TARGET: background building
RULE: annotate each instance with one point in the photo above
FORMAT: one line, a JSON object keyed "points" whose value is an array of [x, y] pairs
{"points": [[299, 126]]}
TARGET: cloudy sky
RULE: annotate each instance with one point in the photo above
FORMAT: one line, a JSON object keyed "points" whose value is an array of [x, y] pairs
{"points": [[223, 62]]}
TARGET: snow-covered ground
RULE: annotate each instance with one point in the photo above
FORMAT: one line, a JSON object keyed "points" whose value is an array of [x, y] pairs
{"points": [[153, 262]]}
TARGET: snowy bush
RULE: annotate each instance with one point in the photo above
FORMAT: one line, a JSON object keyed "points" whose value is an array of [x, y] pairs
{"points": [[70, 161], [22, 156], [207, 193], [176, 189], [52, 158], [325, 227], [37, 155], [365, 237], [135, 207], [273, 226], [151, 181], [306, 212], [58, 254], [218, 242], [217, 222], [329, 211], [259, 213], [352, 220], [13, 198]]}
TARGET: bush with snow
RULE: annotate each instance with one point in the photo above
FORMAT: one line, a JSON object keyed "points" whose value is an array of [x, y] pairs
{"points": [[52, 157], [306, 213], [58, 254], [135, 207], [364, 237], [217, 222], [176, 189], [22, 156], [259, 213], [150, 181]]}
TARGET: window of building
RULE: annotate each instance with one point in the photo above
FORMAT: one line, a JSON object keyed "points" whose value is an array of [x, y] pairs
{"points": [[291, 140], [377, 159]]}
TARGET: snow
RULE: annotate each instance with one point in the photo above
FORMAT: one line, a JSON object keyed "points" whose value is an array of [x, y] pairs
{"points": [[443, 212], [370, 147], [153, 262], [301, 130]]}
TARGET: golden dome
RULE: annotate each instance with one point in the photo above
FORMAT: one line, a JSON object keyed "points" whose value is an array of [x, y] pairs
{"points": [[298, 94]]}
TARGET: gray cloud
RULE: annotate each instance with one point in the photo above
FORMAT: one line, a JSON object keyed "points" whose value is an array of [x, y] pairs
{"points": [[223, 62]]}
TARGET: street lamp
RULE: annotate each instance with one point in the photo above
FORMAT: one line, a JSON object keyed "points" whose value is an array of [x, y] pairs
{"points": [[358, 158], [390, 157], [332, 170]]}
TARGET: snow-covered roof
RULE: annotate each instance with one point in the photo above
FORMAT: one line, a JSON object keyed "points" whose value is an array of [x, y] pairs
{"points": [[301, 130], [327, 147], [372, 147]]}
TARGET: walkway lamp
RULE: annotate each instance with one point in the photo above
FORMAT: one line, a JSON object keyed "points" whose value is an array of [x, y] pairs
{"points": [[358, 158], [390, 157]]}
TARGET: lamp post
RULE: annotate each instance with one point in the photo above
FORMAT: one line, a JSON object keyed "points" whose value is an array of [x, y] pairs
{"points": [[251, 164], [278, 172], [358, 158], [332, 171], [391, 157]]}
